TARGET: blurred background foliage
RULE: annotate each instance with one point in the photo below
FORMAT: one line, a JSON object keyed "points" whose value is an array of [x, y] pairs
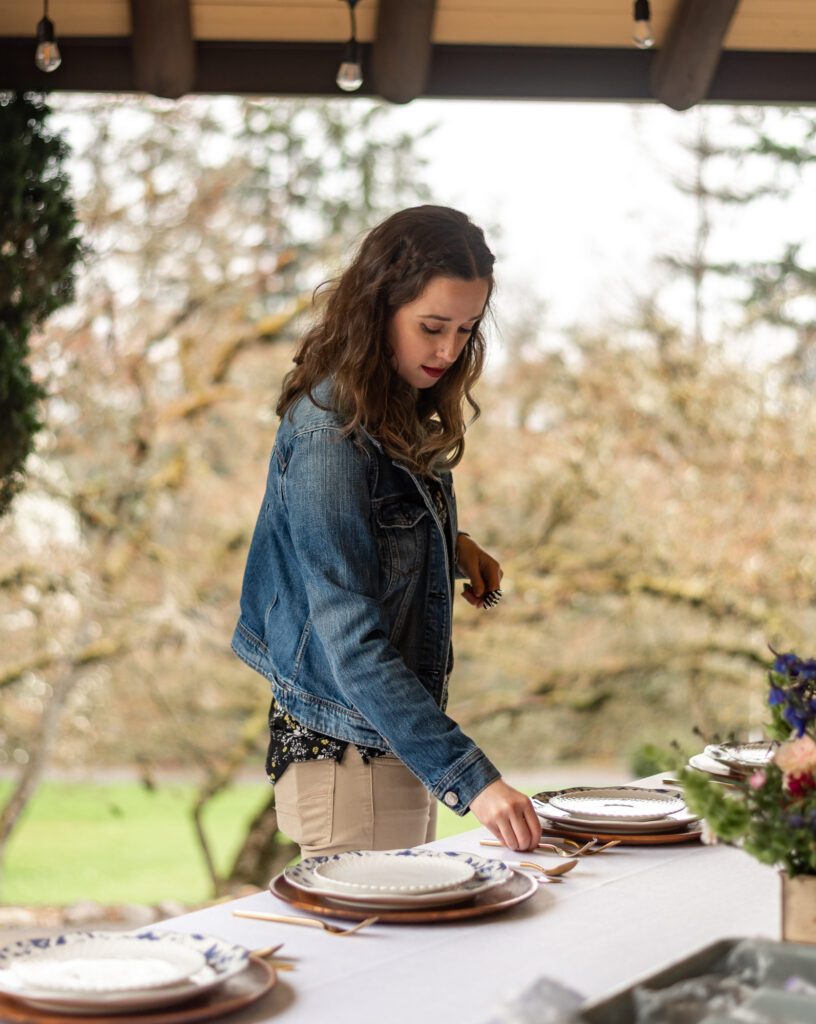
{"points": [[646, 488]]}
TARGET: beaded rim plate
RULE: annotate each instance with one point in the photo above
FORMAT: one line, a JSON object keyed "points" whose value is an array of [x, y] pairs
{"points": [[514, 890], [115, 965], [618, 803], [222, 961], [228, 996], [554, 818], [706, 764], [742, 755], [386, 874], [487, 873]]}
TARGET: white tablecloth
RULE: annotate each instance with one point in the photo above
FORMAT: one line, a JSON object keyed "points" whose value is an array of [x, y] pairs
{"points": [[617, 916]]}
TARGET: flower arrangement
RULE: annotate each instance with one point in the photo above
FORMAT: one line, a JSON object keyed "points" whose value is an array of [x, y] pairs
{"points": [[772, 813]]}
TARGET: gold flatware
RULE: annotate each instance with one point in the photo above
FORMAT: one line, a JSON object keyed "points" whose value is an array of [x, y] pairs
{"points": [[576, 851], [606, 846], [308, 922], [262, 954], [556, 872], [268, 954], [591, 849]]}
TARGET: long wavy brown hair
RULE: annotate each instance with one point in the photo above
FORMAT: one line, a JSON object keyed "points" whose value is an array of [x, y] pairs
{"points": [[423, 428]]}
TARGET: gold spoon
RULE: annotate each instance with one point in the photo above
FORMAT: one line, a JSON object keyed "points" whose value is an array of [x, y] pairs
{"points": [[556, 872]]}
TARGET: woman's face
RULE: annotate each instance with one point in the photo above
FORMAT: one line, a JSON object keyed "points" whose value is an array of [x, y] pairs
{"points": [[427, 335]]}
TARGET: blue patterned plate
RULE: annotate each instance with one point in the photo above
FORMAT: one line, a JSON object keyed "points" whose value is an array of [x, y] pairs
{"points": [[223, 960], [487, 873]]}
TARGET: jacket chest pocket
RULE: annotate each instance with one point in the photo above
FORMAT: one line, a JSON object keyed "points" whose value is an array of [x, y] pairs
{"points": [[402, 540]]}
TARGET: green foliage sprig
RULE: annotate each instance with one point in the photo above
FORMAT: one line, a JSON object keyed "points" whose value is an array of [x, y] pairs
{"points": [[39, 249], [772, 813]]}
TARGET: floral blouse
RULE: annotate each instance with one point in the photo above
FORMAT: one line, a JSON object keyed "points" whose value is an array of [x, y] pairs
{"points": [[290, 742]]}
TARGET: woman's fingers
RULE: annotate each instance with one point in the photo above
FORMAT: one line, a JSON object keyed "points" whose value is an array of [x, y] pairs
{"points": [[508, 814], [491, 574], [534, 825], [508, 835]]}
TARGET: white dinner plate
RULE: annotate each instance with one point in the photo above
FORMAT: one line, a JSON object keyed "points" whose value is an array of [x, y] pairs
{"points": [[114, 965], [221, 961], [487, 872], [744, 757], [548, 814], [704, 763], [618, 803], [392, 874]]}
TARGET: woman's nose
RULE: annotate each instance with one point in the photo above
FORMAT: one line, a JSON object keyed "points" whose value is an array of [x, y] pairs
{"points": [[446, 349]]}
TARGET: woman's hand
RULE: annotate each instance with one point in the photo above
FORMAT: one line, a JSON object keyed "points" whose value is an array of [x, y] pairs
{"points": [[509, 815], [483, 570]]}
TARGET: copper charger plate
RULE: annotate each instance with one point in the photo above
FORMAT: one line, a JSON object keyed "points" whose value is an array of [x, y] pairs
{"points": [[237, 992], [687, 835], [518, 888]]}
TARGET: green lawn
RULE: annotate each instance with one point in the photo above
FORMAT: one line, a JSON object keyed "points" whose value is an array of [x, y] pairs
{"points": [[120, 843]]}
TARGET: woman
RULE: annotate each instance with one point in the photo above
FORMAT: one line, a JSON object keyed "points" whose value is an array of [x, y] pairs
{"points": [[347, 596]]}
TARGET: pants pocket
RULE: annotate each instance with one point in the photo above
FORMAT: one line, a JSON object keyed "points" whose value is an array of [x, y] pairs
{"points": [[304, 800]]}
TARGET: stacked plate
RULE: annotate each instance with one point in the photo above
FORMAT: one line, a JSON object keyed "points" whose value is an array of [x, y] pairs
{"points": [[397, 879], [733, 760], [112, 972], [627, 813]]}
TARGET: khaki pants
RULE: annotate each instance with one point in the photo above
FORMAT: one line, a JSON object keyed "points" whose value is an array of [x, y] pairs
{"points": [[329, 807]]}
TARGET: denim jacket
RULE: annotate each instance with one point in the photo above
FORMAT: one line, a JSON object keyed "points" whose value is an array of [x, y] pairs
{"points": [[346, 605]]}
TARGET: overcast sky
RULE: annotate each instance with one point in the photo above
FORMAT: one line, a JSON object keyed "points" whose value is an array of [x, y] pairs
{"points": [[583, 196], [578, 202]]}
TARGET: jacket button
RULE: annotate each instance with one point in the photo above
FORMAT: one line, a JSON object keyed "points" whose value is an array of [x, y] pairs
{"points": [[451, 799]]}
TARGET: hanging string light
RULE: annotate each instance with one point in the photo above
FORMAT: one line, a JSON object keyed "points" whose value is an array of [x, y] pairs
{"points": [[350, 72], [642, 33], [47, 56]]}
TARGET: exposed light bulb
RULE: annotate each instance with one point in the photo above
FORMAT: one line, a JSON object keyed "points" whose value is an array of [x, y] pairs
{"points": [[350, 76], [642, 34], [47, 56], [350, 72]]}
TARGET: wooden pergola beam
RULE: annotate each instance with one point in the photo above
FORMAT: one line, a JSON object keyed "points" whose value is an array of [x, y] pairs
{"points": [[401, 53], [457, 72], [162, 47], [684, 67]]}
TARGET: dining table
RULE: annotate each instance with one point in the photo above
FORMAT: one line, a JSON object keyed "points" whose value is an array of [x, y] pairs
{"points": [[618, 916]]}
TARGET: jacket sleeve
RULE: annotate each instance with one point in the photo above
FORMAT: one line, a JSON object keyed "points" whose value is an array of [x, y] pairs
{"points": [[327, 497]]}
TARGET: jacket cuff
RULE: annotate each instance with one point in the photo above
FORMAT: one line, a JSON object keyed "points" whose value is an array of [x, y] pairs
{"points": [[466, 780]]}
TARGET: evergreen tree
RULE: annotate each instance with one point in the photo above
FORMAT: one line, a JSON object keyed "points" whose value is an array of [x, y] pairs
{"points": [[39, 248]]}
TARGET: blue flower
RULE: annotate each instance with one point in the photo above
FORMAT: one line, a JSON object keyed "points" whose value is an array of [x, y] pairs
{"points": [[777, 696], [784, 662], [796, 820], [795, 720]]}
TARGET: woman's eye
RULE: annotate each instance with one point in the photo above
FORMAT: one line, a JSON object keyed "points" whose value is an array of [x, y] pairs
{"points": [[438, 330]]}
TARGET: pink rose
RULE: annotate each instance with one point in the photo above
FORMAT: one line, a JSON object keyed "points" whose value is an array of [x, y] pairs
{"points": [[797, 757], [757, 780]]}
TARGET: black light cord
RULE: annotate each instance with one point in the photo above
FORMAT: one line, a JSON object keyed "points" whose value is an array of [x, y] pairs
{"points": [[642, 11], [353, 19]]}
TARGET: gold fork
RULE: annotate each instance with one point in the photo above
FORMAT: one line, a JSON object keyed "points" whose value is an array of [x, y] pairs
{"points": [[606, 846], [309, 922], [578, 851]]}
